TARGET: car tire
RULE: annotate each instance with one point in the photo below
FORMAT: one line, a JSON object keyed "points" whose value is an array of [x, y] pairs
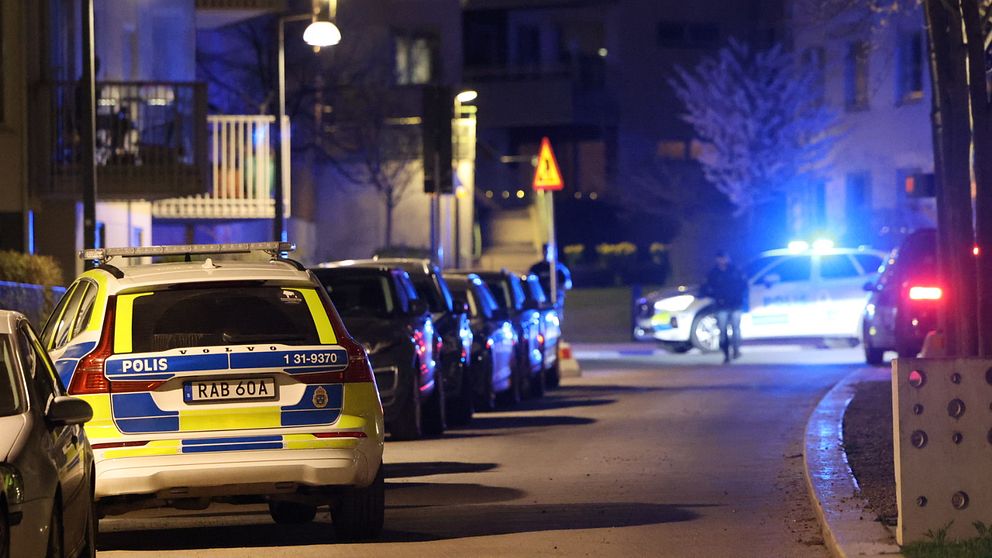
{"points": [[486, 398], [537, 383], [461, 408], [292, 513], [360, 512], [705, 334], [406, 424], [4, 530], [873, 356], [677, 347], [433, 417], [511, 396], [56, 542], [552, 377]]}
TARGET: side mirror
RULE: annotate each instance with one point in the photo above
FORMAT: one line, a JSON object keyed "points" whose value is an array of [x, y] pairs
{"points": [[418, 307], [771, 279], [65, 410]]}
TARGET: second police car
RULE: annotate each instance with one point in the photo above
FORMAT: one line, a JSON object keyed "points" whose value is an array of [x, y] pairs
{"points": [[214, 381], [799, 292]]}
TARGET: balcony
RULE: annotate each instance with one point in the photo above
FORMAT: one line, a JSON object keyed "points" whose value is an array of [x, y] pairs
{"points": [[150, 140], [242, 173]]}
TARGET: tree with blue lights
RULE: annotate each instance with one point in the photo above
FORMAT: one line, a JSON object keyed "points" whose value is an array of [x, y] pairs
{"points": [[759, 116]]}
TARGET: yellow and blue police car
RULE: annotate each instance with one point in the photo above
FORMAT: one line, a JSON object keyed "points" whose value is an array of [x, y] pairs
{"points": [[221, 381]]}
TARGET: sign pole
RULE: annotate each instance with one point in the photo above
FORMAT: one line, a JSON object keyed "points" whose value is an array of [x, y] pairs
{"points": [[552, 245]]}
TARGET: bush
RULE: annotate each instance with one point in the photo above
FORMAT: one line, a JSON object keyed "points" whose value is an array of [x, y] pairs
{"points": [[27, 268], [29, 284]]}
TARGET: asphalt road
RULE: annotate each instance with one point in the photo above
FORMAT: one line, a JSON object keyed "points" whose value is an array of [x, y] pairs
{"points": [[644, 455]]}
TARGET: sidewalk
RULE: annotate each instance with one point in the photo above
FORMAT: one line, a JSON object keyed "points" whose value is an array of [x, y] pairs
{"points": [[848, 530]]}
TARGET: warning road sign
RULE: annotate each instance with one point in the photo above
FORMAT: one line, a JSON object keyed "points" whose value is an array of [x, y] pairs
{"points": [[547, 176]]}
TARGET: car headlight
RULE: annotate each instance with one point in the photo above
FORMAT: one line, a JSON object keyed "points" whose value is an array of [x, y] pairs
{"points": [[12, 484], [674, 303]]}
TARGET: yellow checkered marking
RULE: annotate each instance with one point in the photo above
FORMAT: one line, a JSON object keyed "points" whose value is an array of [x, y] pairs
{"points": [[324, 330], [101, 427], [309, 441]]}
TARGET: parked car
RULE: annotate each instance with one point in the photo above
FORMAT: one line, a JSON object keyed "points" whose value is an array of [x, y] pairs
{"points": [[46, 464], [794, 293], [509, 295], [493, 341], [381, 310], [550, 326], [904, 301], [221, 381], [452, 323]]}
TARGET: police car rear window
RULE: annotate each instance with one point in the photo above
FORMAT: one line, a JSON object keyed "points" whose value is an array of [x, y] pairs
{"points": [[209, 316]]}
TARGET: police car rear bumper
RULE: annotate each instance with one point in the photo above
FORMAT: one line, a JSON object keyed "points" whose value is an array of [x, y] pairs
{"points": [[259, 472], [664, 327]]}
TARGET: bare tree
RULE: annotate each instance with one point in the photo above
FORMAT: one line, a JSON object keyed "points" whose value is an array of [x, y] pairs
{"points": [[757, 114]]}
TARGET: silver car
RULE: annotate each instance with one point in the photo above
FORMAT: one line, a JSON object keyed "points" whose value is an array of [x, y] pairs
{"points": [[46, 465]]}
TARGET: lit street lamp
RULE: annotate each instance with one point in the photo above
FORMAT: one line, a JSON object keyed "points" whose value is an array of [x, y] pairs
{"points": [[320, 33]]}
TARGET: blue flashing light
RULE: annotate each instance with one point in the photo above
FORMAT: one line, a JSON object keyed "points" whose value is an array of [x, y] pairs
{"points": [[798, 246], [823, 244]]}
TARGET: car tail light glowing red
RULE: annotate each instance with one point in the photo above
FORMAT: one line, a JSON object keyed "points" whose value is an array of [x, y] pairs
{"points": [[359, 369], [89, 377], [925, 293]]}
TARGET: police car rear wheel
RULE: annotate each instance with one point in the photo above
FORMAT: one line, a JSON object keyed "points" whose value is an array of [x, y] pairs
{"points": [[360, 512], [705, 335], [291, 513]]}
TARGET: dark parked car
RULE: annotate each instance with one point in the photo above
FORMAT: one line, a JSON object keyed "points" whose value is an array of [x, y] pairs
{"points": [[904, 300], [452, 325], [381, 309], [509, 294], [46, 464], [493, 341], [535, 297]]}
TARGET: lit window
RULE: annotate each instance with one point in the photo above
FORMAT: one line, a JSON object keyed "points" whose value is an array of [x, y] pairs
{"points": [[909, 74], [671, 149], [414, 59]]}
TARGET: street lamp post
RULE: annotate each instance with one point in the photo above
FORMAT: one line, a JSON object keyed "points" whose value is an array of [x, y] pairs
{"points": [[318, 34]]}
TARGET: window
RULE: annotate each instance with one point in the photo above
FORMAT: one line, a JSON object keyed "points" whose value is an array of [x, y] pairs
{"points": [[501, 293], [856, 76], [68, 320], [10, 387], [671, 34], [58, 317], [43, 382], [415, 59], [909, 70], [755, 267], [528, 46], [795, 268], [869, 262], [838, 266], [360, 295], [672, 149], [204, 316], [857, 201], [85, 310]]}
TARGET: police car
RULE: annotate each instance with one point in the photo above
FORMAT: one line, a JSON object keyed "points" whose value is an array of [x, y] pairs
{"points": [[793, 293], [221, 381]]}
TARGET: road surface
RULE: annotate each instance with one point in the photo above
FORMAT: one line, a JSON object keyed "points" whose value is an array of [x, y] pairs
{"points": [[644, 455]]}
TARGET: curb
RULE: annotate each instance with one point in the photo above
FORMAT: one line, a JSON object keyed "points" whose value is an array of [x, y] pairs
{"points": [[847, 532]]}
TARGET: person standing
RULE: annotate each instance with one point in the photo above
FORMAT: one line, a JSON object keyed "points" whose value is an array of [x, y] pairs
{"points": [[727, 286]]}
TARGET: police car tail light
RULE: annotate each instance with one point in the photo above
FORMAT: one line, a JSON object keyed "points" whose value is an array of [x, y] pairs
{"points": [[89, 377], [359, 369], [919, 292]]}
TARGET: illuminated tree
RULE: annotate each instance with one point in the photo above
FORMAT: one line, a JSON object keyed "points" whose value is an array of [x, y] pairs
{"points": [[758, 117]]}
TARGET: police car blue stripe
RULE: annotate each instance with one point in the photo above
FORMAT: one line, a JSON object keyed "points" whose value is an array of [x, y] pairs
{"points": [[335, 397], [134, 405], [234, 440], [77, 351], [66, 367], [139, 366], [232, 444], [309, 417], [153, 424], [335, 359]]}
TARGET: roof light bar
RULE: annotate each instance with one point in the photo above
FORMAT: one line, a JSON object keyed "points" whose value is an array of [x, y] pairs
{"points": [[104, 254]]}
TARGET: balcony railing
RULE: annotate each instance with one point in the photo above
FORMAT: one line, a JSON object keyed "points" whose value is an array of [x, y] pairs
{"points": [[150, 140], [242, 173]]}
